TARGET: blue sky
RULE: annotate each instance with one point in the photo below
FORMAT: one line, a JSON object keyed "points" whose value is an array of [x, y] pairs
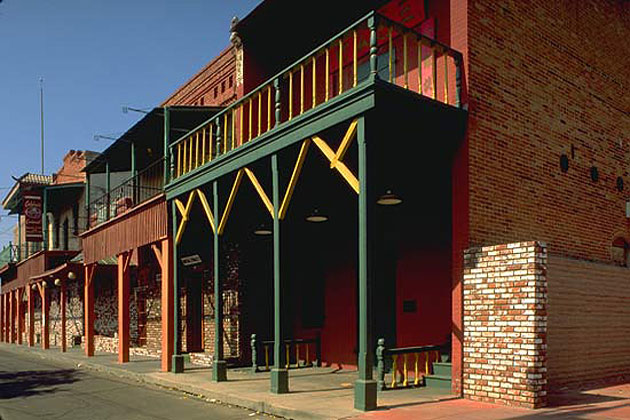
{"points": [[94, 56]]}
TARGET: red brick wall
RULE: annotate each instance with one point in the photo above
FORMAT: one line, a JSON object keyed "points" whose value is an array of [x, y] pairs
{"points": [[547, 78], [505, 323], [214, 85], [588, 323], [73, 163]]}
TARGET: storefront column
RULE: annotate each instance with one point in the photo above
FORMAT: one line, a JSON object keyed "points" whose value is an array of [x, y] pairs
{"points": [[30, 302], [365, 386], [219, 367], [62, 308], [12, 315], [123, 306], [18, 310], [43, 291], [164, 257], [2, 318], [279, 373], [88, 308], [177, 365]]}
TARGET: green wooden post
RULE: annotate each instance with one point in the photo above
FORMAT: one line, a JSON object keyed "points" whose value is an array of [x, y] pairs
{"points": [[169, 161], [19, 249], [219, 367], [45, 219], [458, 80], [365, 386], [133, 172], [178, 360], [278, 109], [373, 48], [279, 374]]}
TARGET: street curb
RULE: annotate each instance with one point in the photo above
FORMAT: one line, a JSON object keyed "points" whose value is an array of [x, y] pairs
{"points": [[149, 378]]}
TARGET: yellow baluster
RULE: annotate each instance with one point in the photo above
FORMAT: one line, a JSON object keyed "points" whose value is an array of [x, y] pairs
{"points": [[240, 122], [355, 60], [394, 369], [420, 66], [203, 145], [340, 66], [234, 128], [405, 372], [391, 57], [197, 149], [314, 82], [269, 108], [288, 346], [434, 67], [267, 356], [179, 159], [290, 95], [445, 58], [308, 359], [225, 132], [210, 127], [301, 89], [327, 74], [259, 111], [185, 158], [190, 153], [416, 376], [297, 356], [405, 65], [249, 117], [426, 363]]}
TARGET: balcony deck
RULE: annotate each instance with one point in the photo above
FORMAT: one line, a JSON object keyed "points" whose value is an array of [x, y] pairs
{"points": [[299, 103]]}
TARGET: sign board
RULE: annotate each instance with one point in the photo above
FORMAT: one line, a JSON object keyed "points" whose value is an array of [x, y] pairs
{"points": [[32, 210]]}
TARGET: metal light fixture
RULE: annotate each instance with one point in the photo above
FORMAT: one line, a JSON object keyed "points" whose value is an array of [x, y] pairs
{"points": [[71, 275], [34, 287], [57, 282], [44, 284], [316, 217], [263, 230], [389, 199]]}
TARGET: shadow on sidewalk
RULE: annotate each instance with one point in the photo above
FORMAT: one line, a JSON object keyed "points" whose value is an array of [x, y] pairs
{"points": [[34, 382]]}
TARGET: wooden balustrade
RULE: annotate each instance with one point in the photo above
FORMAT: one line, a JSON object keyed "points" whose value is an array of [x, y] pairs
{"points": [[341, 64], [405, 359], [308, 348]]}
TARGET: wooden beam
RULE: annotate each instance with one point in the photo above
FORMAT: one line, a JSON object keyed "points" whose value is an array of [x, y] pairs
{"points": [[345, 143], [206, 208], [297, 169], [88, 301], [158, 255], [123, 307], [185, 211], [166, 264], [259, 189], [62, 308], [45, 318], [31, 316], [230, 202], [340, 166]]}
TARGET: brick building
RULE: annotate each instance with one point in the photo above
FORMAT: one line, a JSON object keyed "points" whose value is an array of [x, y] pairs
{"points": [[429, 188]]}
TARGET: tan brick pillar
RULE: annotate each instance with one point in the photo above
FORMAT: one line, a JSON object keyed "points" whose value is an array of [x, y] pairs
{"points": [[505, 324]]}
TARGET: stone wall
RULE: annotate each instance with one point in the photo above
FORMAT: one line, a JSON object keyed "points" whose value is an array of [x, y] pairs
{"points": [[505, 323], [74, 314]]}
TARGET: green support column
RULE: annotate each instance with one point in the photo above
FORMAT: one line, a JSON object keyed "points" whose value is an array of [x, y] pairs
{"points": [[19, 248], [365, 386], [169, 162], [133, 172], [219, 367], [45, 219], [279, 374], [178, 360]]}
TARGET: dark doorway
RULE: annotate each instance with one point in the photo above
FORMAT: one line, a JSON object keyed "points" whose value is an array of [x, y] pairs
{"points": [[194, 342]]}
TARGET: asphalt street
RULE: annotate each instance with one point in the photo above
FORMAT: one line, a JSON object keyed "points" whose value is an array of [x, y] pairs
{"points": [[32, 388]]}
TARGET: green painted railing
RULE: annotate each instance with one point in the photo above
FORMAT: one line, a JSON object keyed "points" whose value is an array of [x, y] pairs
{"points": [[372, 46], [295, 349]]}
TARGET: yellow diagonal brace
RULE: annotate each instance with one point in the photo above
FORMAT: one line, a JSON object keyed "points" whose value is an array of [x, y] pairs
{"points": [[230, 202], [345, 143], [259, 189], [294, 177], [185, 211], [340, 166], [206, 207]]}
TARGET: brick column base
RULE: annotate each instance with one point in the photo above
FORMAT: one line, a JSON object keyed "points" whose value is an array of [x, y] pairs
{"points": [[505, 324]]}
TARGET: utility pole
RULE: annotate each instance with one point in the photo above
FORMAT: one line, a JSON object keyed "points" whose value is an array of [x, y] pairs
{"points": [[41, 116]]}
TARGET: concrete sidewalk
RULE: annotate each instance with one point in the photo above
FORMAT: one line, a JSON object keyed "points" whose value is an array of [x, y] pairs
{"points": [[316, 393], [326, 393]]}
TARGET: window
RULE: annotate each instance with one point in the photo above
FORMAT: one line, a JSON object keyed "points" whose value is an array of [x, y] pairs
{"points": [[230, 81], [223, 86], [201, 101], [216, 91]]}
